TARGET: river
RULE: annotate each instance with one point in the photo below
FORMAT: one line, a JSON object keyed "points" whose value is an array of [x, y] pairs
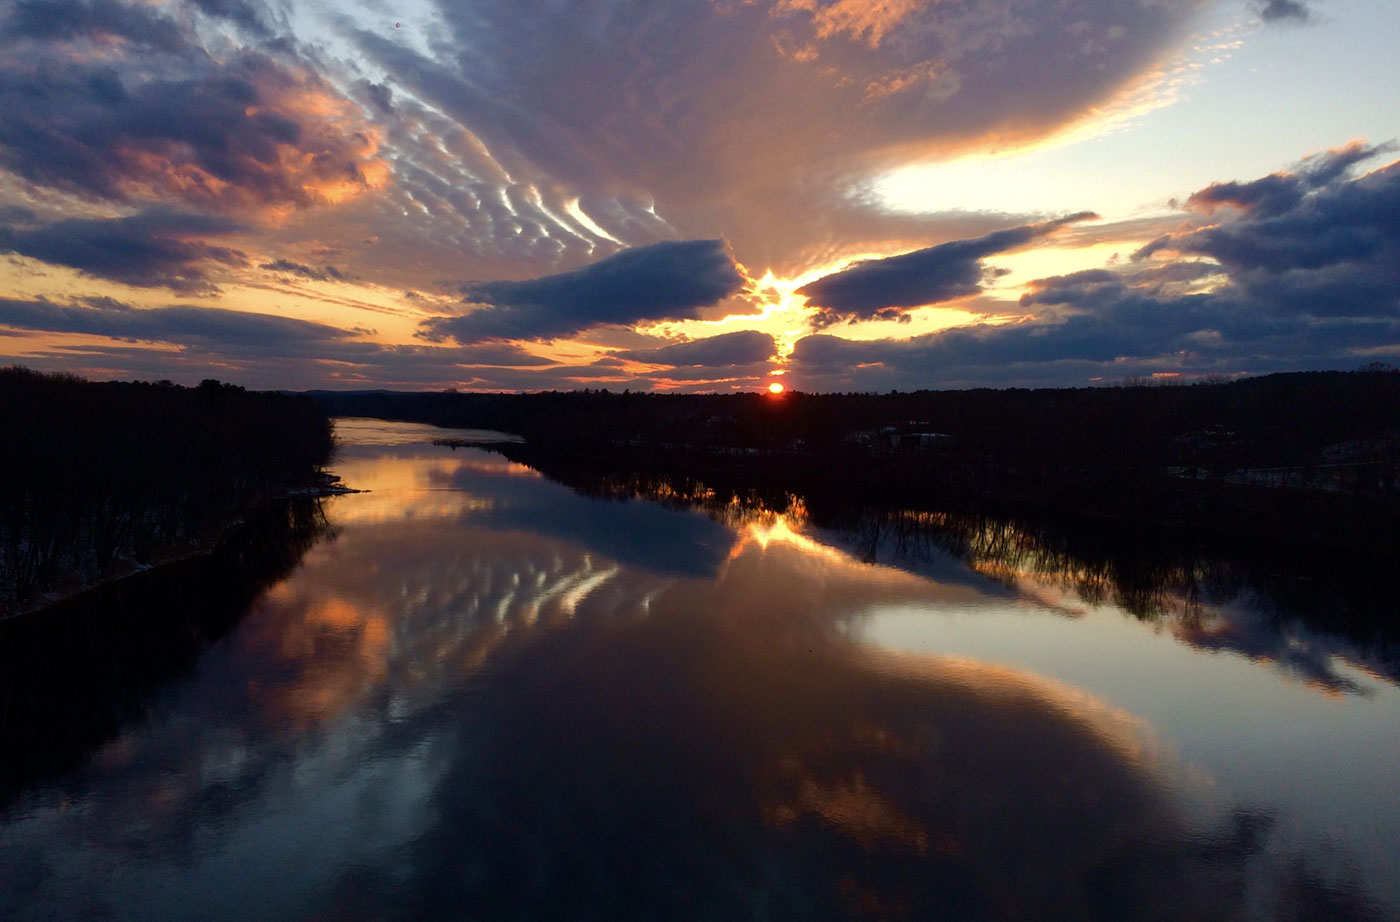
{"points": [[484, 695]]}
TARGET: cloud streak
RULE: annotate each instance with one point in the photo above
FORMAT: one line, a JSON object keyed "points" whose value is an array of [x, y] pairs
{"points": [[671, 280], [181, 325], [751, 120], [744, 347], [266, 350], [155, 248], [325, 274], [885, 289]]}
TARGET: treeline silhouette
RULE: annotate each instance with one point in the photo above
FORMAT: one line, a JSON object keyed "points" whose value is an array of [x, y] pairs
{"points": [[1309, 457], [97, 477]]}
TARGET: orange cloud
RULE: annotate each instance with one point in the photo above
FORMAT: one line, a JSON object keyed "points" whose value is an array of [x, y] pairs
{"points": [[867, 20]]}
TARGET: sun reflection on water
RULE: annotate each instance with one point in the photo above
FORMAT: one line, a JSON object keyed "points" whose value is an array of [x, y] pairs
{"points": [[495, 681]]}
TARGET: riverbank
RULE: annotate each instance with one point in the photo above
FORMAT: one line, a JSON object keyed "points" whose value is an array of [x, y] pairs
{"points": [[164, 562], [101, 481], [1311, 459], [1198, 511], [76, 670]]}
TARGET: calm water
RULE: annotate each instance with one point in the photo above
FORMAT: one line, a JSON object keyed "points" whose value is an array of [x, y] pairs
{"points": [[484, 696]]}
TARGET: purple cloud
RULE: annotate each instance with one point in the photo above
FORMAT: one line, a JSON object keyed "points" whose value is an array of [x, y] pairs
{"points": [[154, 248], [744, 347], [1301, 275], [672, 280], [884, 289]]}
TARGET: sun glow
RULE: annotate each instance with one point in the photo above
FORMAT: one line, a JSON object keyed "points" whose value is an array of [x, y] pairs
{"points": [[776, 388]]}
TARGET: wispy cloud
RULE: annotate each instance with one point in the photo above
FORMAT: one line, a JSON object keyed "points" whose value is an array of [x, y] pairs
{"points": [[324, 274], [754, 120]]}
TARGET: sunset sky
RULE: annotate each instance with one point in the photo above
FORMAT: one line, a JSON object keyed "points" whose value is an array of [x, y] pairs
{"points": [[844, 195]]}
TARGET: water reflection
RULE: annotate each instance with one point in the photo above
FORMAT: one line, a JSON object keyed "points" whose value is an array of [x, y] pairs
{"points": [[733, 754], [72, 675], [512, 701], [1311, 616], [489, 492]]}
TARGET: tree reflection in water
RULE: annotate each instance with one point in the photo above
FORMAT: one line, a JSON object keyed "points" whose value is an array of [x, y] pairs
{"points": [[73, 674], [1296, 608], [510, 701]]}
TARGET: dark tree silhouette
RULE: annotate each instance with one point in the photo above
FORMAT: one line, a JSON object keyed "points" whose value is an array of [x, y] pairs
{"points": [[95, 477], [1309, 457]]}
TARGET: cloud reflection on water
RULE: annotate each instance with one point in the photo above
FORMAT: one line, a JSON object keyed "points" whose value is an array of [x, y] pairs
{"points": [[546, 706], [733, 754], [1312, 625]]}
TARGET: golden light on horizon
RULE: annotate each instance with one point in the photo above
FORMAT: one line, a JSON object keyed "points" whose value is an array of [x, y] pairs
{"points": [[776, 388]]}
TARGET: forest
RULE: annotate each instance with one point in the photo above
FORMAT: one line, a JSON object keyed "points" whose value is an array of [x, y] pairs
{"points": [[1310, 457], [99, 479]]}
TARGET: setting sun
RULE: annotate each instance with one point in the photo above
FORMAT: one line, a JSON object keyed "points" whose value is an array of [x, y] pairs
{"points": [[776, 388]]}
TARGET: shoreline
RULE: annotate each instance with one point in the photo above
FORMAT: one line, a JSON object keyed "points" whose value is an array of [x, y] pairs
{"points": [[166, 558], [1218, 511]]}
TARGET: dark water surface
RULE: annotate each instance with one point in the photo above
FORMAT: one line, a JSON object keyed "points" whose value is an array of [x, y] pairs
{"points": [[485, 696]]}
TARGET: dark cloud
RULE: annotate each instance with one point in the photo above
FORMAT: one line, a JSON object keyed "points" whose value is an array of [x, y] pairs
{"points": [[99, 20], [260, 350], [155, 248], [242, 131], [1302, 276], [744, 347], [252, 17], [671, 280], [325, 274], [1284, 10], [1096, 326], [883, 289], [1313, 241], [381, 95], [183, 325], [1281, 192]]}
